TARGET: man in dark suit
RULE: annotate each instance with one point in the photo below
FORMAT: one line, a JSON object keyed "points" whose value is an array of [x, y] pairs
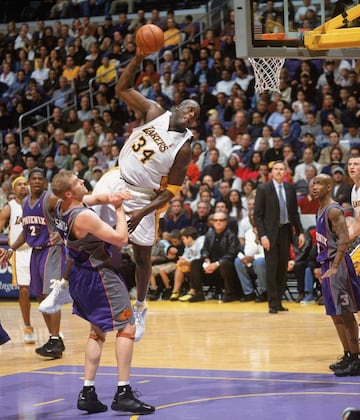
{"points": [[276, 217]]}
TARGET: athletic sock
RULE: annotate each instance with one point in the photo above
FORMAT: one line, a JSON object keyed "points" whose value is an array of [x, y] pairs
{"points": [[123, 383], [88, 384]]}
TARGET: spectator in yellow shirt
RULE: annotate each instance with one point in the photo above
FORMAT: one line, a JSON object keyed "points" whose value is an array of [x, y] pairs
{"points": [[70, 70], [106, 72], [172, 34]]}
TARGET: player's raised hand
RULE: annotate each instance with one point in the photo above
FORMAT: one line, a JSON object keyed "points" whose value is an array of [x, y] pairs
{"points": [[117, 198]]}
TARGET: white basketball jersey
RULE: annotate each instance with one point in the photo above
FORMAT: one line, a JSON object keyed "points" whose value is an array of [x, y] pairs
{"points": [[149, 153], [15, 225], [355, 201]]}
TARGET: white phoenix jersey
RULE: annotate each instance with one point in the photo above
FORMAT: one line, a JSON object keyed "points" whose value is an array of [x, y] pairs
{"points": [[15, 224], [148, 154], [355, 201]]}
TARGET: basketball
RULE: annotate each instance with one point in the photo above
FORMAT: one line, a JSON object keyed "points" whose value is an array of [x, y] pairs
{"points": [[149, 38]]}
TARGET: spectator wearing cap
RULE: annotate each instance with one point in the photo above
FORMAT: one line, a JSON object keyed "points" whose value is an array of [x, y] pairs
{"points": [[341, 191], [18, 170], [63, 159], [97, 174]]}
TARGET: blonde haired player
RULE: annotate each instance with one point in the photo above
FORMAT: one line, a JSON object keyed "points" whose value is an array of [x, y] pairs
{"points": [[11, 214]]}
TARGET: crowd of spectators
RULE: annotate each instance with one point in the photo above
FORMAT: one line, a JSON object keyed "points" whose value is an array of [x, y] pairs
{"points": [[312, 123]]}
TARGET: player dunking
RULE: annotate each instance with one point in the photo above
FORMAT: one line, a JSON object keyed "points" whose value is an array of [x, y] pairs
{"points": [[153, 165], [339, 283]]}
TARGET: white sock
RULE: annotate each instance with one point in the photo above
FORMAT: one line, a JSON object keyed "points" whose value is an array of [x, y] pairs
{"points": [[89, 383], [138, 303], [123, 383]]}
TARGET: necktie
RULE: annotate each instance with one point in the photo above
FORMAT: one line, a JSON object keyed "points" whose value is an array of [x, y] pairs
{"points": [[283, 208]]}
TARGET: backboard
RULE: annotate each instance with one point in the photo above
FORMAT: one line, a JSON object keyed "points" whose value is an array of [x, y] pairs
{"points": [[278, 29]]}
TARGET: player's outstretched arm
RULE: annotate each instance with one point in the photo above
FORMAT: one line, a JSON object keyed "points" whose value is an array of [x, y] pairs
{"points": [[89, 222], [107, 198], [125, 90]]}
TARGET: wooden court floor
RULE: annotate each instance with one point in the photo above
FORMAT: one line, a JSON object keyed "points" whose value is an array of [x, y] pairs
{"points": [[238, 338]]}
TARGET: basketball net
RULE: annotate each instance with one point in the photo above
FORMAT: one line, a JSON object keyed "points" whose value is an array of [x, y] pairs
{"points": [[267, 73]]}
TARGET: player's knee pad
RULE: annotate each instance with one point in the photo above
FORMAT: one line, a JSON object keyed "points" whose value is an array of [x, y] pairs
{"points": [[96, 337], [125, 335]]}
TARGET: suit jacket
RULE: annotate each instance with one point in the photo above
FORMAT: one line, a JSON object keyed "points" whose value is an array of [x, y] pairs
{"points": [[343, 194], [267, 210]]}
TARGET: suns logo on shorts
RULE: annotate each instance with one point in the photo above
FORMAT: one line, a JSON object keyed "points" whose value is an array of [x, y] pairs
{"points": [[124, 315]]}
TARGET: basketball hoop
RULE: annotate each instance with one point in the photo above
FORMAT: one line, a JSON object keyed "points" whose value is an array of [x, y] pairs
{"points": [[267, 73]]}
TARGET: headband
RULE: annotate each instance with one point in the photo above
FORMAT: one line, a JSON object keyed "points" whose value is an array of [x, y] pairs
{"points": [[19, 178]]}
